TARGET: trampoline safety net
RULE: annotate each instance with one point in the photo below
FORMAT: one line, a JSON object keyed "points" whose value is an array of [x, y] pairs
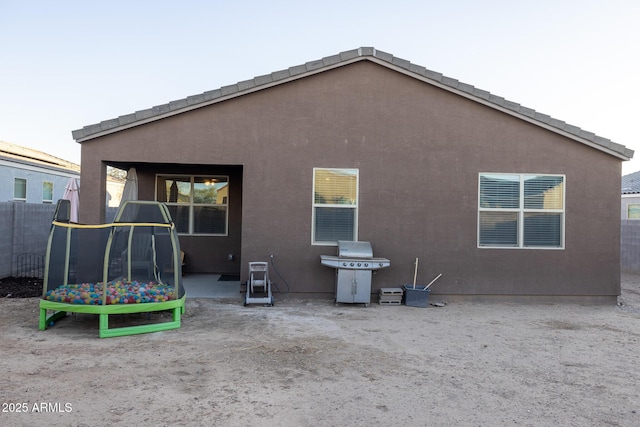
{"points": [[133, 261]]}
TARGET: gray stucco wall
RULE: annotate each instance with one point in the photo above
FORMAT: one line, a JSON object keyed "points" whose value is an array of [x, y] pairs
{"points": [[628, 199], [35, 178], [25, 229]]}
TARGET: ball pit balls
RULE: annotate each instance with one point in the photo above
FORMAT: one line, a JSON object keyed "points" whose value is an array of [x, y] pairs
{"points": [[118, 292]]}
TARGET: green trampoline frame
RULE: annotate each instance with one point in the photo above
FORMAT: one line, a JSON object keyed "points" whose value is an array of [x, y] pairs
{"points": [[61, 309]]}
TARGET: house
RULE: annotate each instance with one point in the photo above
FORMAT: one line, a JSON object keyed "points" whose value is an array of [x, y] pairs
{"points": [[630, 190], [506, 202], [32, 176], [31, 183], [630, 228]]}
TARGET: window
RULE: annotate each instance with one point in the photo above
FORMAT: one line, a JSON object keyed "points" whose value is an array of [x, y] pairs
{"points": [[633, 211], [521, 211], [335, 205], [47, 192], [20, 189], [198, 204]]}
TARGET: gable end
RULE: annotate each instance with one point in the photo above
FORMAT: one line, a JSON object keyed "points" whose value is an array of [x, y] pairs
{"points": [[344, 58]]}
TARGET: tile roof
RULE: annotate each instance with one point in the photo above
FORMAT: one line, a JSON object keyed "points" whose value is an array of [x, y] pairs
{"points": [[631, 183], [364, 53], [25, 155]]}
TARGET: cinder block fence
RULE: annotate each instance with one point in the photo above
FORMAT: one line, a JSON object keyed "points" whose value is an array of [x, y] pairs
{"points": [[630, 245], [24, 228]]}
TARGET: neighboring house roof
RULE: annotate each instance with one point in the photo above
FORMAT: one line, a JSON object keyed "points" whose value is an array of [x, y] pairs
{"points": [[28, 156], [631, 183], [362, 54]]}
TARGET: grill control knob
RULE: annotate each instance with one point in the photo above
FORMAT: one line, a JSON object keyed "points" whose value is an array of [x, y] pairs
{"points": [[351, 264], [366, 264], [359, 265], [344, 264]]}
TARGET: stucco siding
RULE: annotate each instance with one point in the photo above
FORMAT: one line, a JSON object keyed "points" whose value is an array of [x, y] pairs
{"points": [[419, 150]]}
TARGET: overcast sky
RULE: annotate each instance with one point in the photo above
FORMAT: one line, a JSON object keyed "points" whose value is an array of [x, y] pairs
{"points": [[67, 64]]}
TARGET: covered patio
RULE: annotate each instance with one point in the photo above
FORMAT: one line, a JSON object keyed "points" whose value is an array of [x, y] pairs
{"points": [[214, 286]]}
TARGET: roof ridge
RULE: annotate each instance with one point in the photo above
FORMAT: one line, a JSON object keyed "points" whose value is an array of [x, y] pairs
{"points": [[337, 60]]}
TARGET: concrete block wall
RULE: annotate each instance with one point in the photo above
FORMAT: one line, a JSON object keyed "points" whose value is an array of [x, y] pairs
{"points": [[32, 223], [25, 229], [6, 242], [630, 245]]}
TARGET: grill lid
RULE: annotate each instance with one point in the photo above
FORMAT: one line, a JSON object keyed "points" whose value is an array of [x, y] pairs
{"points": [[349, 249]]}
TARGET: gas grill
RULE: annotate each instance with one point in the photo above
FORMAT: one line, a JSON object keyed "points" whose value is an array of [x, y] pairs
{"points": [[354, 265]]}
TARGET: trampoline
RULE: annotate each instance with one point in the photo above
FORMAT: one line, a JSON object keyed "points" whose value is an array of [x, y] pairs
{"points": [[132, 265]]}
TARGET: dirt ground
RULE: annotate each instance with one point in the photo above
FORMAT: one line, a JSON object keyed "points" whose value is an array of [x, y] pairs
{"points": [[312, 363]]}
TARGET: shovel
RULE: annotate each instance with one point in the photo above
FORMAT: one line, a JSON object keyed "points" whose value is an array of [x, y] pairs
{"points": [[415, 274]]}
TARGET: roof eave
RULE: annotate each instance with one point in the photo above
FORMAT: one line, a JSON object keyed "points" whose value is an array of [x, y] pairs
{"points": [[342, 59], [225, 93], [513, 109]]}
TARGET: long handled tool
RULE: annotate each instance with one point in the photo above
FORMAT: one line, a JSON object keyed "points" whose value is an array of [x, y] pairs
{"points": [[432, 282], [415, 274]]}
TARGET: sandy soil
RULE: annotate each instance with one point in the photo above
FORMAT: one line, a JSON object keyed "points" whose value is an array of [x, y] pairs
{"points": [[303, 363]]}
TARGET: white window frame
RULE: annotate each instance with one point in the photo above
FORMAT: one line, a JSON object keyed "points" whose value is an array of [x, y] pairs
{"points": [[521, 210], [635, 206], [20, 199], [354, 207], [191, 205], [44, 183]]}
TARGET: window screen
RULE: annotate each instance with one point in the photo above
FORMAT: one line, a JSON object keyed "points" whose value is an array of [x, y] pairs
{"points": [[47, 192], [20, 189], [335, 203], [521, 210]]}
